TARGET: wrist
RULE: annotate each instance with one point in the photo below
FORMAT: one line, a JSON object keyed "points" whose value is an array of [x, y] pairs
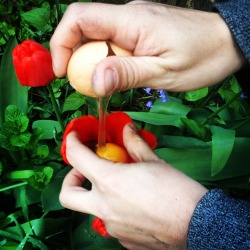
{"points": [[232, 52], [191, 200]]}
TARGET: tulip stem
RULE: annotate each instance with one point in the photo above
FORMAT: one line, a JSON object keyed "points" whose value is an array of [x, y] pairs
{"points": [[55, 107], [215, 113]]}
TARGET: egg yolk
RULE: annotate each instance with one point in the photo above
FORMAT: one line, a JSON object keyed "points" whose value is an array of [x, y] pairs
{"points": [[113, 152]]}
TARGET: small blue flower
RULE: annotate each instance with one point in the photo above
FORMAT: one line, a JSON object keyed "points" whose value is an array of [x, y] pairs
{"points": [[148, 90], [149, 104], [163, 95]]}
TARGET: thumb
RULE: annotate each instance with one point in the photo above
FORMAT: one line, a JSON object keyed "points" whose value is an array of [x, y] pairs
{"points": [[117, 73], [137, 148]]}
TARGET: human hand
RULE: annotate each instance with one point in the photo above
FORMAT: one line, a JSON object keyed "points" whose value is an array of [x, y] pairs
{"points": [[174, 48], [146, 205]]}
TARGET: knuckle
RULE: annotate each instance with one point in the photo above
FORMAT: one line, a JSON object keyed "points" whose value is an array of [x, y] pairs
{"points": [[73, 8]]}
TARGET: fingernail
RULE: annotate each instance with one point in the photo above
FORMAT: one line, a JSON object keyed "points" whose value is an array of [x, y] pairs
{"points": [[133, 127], [110, 80]]}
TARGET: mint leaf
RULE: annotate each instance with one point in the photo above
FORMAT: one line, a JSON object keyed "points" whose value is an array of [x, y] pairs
{"points": [[15, 120], [20, 140], [5, 142], [39, 180], [13, 113], [73, 101], [23, 123], [42, 151]]}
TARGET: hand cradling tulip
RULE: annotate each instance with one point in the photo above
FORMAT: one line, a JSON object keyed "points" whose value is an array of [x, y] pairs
{"points": [[108, 131]]}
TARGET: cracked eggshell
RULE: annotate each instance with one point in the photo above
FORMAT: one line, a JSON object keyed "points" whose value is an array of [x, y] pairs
{"points": [[84, 60]]}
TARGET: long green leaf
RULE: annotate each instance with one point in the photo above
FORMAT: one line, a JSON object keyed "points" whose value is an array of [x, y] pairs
{"points": [[181, 142], [11, 218], [222, 146], [197, 162], [157, 119], [11, 92], [171, 107]]}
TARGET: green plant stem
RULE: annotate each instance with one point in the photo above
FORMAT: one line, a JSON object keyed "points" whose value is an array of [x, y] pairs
{"points": [[215, 113], [212, 92], [55, 106], [13, 186]]}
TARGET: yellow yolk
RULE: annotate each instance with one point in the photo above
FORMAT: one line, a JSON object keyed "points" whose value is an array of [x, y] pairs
{"points": [[113, 152]]}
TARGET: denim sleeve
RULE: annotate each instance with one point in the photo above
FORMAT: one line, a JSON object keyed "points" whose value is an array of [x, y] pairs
{"points": [[236, 14], [219, 222]]}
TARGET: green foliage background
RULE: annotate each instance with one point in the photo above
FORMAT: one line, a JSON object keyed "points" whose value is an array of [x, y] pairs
{"points": [[204, 133]]}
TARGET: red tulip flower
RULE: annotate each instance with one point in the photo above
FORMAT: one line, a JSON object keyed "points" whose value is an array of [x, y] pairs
{"points": [[87, 130], [33, 64]]}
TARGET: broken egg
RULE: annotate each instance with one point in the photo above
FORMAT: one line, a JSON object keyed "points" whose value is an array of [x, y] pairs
{"points": [[84, 60]]}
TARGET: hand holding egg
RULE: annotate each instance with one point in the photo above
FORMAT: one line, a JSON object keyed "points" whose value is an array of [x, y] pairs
{"points": [[84, 60]]}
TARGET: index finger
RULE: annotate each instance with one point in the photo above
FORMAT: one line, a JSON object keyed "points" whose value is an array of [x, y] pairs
{"points": [[84, 21], [84, 159]]}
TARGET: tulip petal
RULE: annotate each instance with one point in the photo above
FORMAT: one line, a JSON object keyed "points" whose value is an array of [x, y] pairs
{"points": [[87, 130], [149, 138], [115, 124], [99, 226], [22, 78]]}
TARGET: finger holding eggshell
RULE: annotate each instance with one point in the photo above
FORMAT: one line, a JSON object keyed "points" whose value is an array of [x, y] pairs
{"points": [[84, 60]]}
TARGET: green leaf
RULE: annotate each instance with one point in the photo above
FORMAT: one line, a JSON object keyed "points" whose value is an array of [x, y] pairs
{"points": [[39, 153], [42, 151], [39, 180], [118, 99], [222, 146], [196, 95], [20, 140], [43, 228], [39, 18], [23, 123], [195, 129], [49, 127], [19, 174], [1, 167], [7, 30], [5, 142], [172, 107], [157, 119], [11, 92], [23, 203], [13, 113], [35, 137], [50, 195], [181, 142], [74, 101], [33, 196], [92, 106], [228, 92]]}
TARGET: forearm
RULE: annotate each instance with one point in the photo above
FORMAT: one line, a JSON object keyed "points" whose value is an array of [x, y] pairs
{"points": [[219, 222]]}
